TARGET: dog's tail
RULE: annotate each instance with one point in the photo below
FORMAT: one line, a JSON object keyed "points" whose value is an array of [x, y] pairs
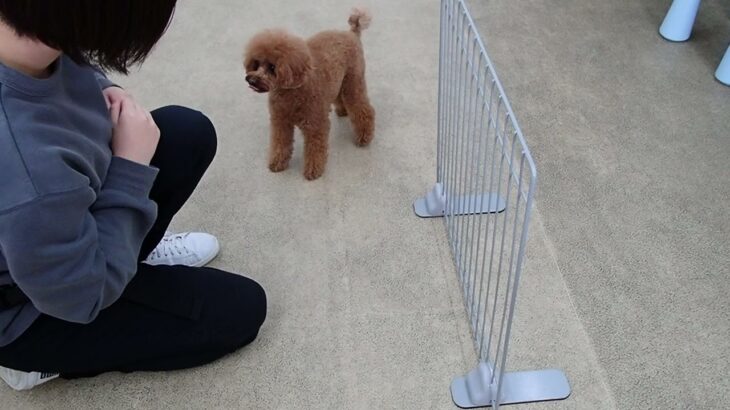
{"points": [[359, 20]]}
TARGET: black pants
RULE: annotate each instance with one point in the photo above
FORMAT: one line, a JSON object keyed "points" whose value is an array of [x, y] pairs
{"points": [[169, 317]]}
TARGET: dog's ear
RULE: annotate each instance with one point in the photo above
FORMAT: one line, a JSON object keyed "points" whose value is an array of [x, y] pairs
{"points": [[248, 62], [294, 66]]}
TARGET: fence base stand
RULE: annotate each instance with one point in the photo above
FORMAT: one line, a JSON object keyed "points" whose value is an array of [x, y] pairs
{"points": [[474, 389], [433, 205]]}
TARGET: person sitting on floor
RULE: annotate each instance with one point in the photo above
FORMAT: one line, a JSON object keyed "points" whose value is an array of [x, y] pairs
{"points": [[90, 279]]}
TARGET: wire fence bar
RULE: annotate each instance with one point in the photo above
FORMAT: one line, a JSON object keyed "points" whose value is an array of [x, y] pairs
{"points": [[485, 185]]}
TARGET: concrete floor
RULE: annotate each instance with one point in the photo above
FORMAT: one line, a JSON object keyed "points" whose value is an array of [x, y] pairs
{"points": [[625, 283], [631, 135]]}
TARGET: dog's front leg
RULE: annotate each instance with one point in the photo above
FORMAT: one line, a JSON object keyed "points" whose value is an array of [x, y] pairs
{"points": [[282, 145], [316, 139]]}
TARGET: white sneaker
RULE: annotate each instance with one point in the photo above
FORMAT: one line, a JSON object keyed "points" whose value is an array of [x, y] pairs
{"points": [[188, 248], [18, 380]]}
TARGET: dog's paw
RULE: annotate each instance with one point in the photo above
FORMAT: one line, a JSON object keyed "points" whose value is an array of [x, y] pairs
{"points": [[363, 140], [313, 172], [278, 166]]}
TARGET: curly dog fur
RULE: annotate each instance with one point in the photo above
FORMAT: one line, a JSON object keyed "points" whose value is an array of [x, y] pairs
{"points": [[304, 79]]}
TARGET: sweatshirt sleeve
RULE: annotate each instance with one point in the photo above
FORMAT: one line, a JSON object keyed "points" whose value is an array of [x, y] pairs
{"points": [[102, 79], [74, 252]]}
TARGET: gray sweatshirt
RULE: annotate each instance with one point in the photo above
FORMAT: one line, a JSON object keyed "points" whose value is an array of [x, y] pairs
{"points": [[72, 216]]}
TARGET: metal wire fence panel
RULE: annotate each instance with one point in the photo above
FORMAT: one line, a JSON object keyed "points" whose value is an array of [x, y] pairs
{"points": [[485, 183]]}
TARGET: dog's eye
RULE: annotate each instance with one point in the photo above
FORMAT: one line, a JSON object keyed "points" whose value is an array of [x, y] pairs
{"points": [[272, 68], [255, 65]]}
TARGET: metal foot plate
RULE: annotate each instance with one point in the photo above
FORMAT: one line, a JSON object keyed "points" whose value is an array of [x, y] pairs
{"points": [[433, 205], [518, 387]]}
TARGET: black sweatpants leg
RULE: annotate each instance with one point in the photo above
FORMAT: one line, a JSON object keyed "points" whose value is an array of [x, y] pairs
{"points": [[187, 146], [178, 317], [169, 317]]}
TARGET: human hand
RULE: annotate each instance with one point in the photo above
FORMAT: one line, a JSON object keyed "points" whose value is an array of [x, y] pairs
{"points": [[135, 134], [114, 94]]}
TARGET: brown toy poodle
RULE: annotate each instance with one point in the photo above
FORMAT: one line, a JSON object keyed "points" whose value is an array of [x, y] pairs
{"points": [[303, 79]]}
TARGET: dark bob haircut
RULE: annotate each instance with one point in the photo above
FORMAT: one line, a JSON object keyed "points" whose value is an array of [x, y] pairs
{"points": [[111, 34]]}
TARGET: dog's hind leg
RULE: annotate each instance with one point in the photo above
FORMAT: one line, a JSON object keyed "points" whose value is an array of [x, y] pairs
{"points": [[355, 99], [340, 106], [316, 140]]}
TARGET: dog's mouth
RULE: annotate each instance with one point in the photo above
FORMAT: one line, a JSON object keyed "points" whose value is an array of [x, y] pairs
{"points": [[256, 85], [259, 88]]}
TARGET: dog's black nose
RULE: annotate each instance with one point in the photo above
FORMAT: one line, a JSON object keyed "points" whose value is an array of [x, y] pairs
{"points": [[250, 79]]}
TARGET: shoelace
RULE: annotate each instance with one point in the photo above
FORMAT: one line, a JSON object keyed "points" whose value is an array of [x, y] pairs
{"points": [[171, 245]]}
